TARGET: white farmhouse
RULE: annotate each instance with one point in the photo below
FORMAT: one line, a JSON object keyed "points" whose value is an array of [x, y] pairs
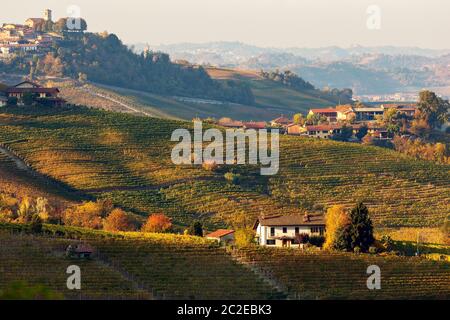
{"points": [[282, 231]]}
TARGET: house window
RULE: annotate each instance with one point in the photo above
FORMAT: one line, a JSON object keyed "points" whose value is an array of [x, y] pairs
{"points": [[284, 230], [319, 230], [297, 230], [272, 232], [270, 242]]}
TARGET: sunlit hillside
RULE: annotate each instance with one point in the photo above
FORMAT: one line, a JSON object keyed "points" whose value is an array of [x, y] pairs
{"points": [[127, 159]]}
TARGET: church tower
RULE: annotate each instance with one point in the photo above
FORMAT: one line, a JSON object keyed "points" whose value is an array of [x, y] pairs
{"points": [[48, 15]]}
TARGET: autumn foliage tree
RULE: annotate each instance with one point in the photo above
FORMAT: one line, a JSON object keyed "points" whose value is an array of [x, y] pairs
{"points": [[88, 214], [336, 219], [118, 220], [358, 234], [158, 223]]}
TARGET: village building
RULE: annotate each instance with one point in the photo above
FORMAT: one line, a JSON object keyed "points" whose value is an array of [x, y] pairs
{"points": [[79, 251], [323, 131], [222, 236], [296, 129], [329, 113], [3, 100], [282, 231], [48, 96], [281, 122], [407, 109], [254, 125], [368, 113], [229, 123]]}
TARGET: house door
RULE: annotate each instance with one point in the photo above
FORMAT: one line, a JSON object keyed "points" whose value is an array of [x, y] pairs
{"points": [[286, 243]]}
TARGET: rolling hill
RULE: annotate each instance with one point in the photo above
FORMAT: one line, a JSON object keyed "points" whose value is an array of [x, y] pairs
{"points": [[271, 99], [127, 158], [159, 266]]}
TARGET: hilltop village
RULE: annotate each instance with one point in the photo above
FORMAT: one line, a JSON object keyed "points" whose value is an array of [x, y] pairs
{"points": [[342, 122], [35, 35]]}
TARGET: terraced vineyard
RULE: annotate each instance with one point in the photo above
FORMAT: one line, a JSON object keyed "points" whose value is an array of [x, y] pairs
{"points": [[41, 261], [158, 266], [127, 158], [343, 276]]}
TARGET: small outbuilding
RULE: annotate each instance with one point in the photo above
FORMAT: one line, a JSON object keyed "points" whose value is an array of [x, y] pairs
{"points": [[222, 236], [80, 251]]}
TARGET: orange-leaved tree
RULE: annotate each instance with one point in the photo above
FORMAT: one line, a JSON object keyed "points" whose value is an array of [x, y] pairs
{"points": [[118, 220], [157, 223]]}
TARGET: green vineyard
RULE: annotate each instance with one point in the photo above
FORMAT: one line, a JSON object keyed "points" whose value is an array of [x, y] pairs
{"points": [[127, 159], [343, 275], [154, 267]]}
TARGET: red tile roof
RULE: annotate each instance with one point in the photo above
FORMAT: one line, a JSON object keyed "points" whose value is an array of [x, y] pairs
{"points": [[231, 123], [293, 220], [219, 233], [255, 125], [324, 127], [326, 110], [282, 120]]}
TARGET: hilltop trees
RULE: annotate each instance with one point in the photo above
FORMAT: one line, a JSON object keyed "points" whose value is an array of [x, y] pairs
{"points": [[288, 78], [104, 59], [432, 109]]}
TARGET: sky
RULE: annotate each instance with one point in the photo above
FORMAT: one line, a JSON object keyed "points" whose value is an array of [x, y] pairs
{"points": [[266, 23]]}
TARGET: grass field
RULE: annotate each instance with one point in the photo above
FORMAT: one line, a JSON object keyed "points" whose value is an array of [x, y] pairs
{"points": [[127, 158]]}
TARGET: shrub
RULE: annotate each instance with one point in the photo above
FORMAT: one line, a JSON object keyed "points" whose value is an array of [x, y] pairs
{"points": [[373, 250], [157, 223], [357, 250], [317, 241], [387, 242], [302, 238], [196, 229], [36, 224], [209, 165], [244, 237], [118, 220], [234, 178]]}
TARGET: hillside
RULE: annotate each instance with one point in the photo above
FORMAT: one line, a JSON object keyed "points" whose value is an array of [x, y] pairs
{"points": [[131, 267], [271, 99], [103, 58], [343, 275], [127, 159]]}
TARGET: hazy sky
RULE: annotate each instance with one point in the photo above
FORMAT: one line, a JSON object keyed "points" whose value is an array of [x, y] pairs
{"points": [[279, 23]]}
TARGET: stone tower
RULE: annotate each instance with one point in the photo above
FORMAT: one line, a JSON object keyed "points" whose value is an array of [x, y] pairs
{"points": [[48, 15]]}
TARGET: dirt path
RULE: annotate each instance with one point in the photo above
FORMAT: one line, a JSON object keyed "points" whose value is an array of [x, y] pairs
{"points": [[126, 106], [20, 164]]}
